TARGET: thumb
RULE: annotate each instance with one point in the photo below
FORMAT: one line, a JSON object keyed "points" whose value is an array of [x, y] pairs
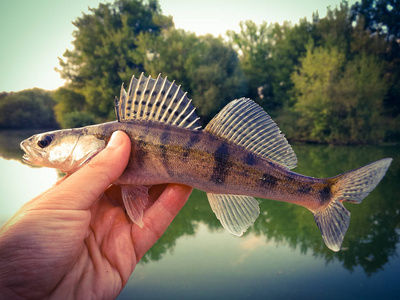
{"points": [[84, 187]]}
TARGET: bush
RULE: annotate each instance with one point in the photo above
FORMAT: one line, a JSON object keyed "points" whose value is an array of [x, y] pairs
{"points": [[78, 119], [27, 109]]}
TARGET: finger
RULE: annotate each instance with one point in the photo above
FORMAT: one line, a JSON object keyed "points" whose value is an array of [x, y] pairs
{"points": [[159, 216], [61, 180], [114, 195], [81, 189]]}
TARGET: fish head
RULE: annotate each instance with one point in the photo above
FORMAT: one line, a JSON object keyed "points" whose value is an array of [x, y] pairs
{"points": [[66, 150]]}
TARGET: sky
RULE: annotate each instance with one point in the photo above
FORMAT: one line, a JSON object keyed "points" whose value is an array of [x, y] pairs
{"points": [[34, 33]]}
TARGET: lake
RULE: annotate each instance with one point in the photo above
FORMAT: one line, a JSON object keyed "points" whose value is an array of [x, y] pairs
{"points": [[282, 256]]}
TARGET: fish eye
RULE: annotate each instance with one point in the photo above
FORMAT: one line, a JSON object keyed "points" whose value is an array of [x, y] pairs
{"points": [[45, 140]]}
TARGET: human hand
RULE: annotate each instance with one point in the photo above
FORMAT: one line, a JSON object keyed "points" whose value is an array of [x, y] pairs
{"points": [[75, 240]]}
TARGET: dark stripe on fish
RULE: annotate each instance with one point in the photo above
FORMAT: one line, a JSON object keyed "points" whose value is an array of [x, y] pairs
{"points": [[221, 164], [289, 178], [325, 193], [140, 153], [250, 159], [194, 139], [304, 189], [268, 181], [164, 141], [141, 150]]}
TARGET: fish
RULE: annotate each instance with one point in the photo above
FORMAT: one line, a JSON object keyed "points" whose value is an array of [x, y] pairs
{"points": [[240, 155]]}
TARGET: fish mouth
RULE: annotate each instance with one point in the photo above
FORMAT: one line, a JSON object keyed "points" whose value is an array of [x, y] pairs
{"points": [[25, 158], [29, 153]]}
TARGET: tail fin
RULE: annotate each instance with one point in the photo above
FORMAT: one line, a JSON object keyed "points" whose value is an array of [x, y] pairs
{"points": [[353, 186]]}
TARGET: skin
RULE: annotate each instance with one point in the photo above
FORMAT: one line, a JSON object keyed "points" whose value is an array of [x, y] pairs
{"points": [[75, 240]]}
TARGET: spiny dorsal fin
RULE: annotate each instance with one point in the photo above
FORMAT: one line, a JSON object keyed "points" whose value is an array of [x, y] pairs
{"points": [[156, 100], [245, 123]]}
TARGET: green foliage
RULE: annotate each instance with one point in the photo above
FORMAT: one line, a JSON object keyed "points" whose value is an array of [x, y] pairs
{"points": [[358, 102], [268, 55], [27, 109], [68, 101], [338, 102], [312, 83], [217, 78], [78, 119], [289, 46], [329, 80], [206, 67], [379, 16], [342, 89], [174, 54], [335, 29], [254, 45], [104, 50]]}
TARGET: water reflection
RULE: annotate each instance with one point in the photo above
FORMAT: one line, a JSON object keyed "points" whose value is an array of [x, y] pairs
{"points": [[374, 229], [369, 243]]}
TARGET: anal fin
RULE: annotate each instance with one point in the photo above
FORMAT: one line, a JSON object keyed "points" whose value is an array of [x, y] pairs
{"points": [[135, 199], [235, 212]]}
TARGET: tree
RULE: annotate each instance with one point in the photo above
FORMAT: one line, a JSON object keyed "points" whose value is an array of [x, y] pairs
{"points": [[312, 83], [381, 17], [205, 66], [377, 33], [340, 101], [254, 45], [289, 46], [27, 109], [335, 29], [104, 53], [174, 53], [268, 55], [75, 119], [68, 101], [346, 88], [358, 98], [217, 79]]}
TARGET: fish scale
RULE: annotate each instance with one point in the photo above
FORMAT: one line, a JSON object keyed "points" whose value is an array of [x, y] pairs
{"points": [[239, 155]]}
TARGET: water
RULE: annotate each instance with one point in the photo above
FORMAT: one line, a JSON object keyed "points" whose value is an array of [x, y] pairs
{"points": [[281, 257]]}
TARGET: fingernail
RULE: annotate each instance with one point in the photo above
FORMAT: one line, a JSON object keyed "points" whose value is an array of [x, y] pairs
{"points": [[115, 140]]}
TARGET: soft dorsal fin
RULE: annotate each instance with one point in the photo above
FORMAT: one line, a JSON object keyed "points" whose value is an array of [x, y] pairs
{"points": [[245, 123], [156, 100]]}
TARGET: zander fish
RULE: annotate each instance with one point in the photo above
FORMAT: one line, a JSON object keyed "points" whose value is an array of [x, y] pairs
{"points": [[239, 155]]}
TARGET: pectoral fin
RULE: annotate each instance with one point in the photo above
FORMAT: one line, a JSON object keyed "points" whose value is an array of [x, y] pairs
{"points": [[236, 213], [135, 199]]}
